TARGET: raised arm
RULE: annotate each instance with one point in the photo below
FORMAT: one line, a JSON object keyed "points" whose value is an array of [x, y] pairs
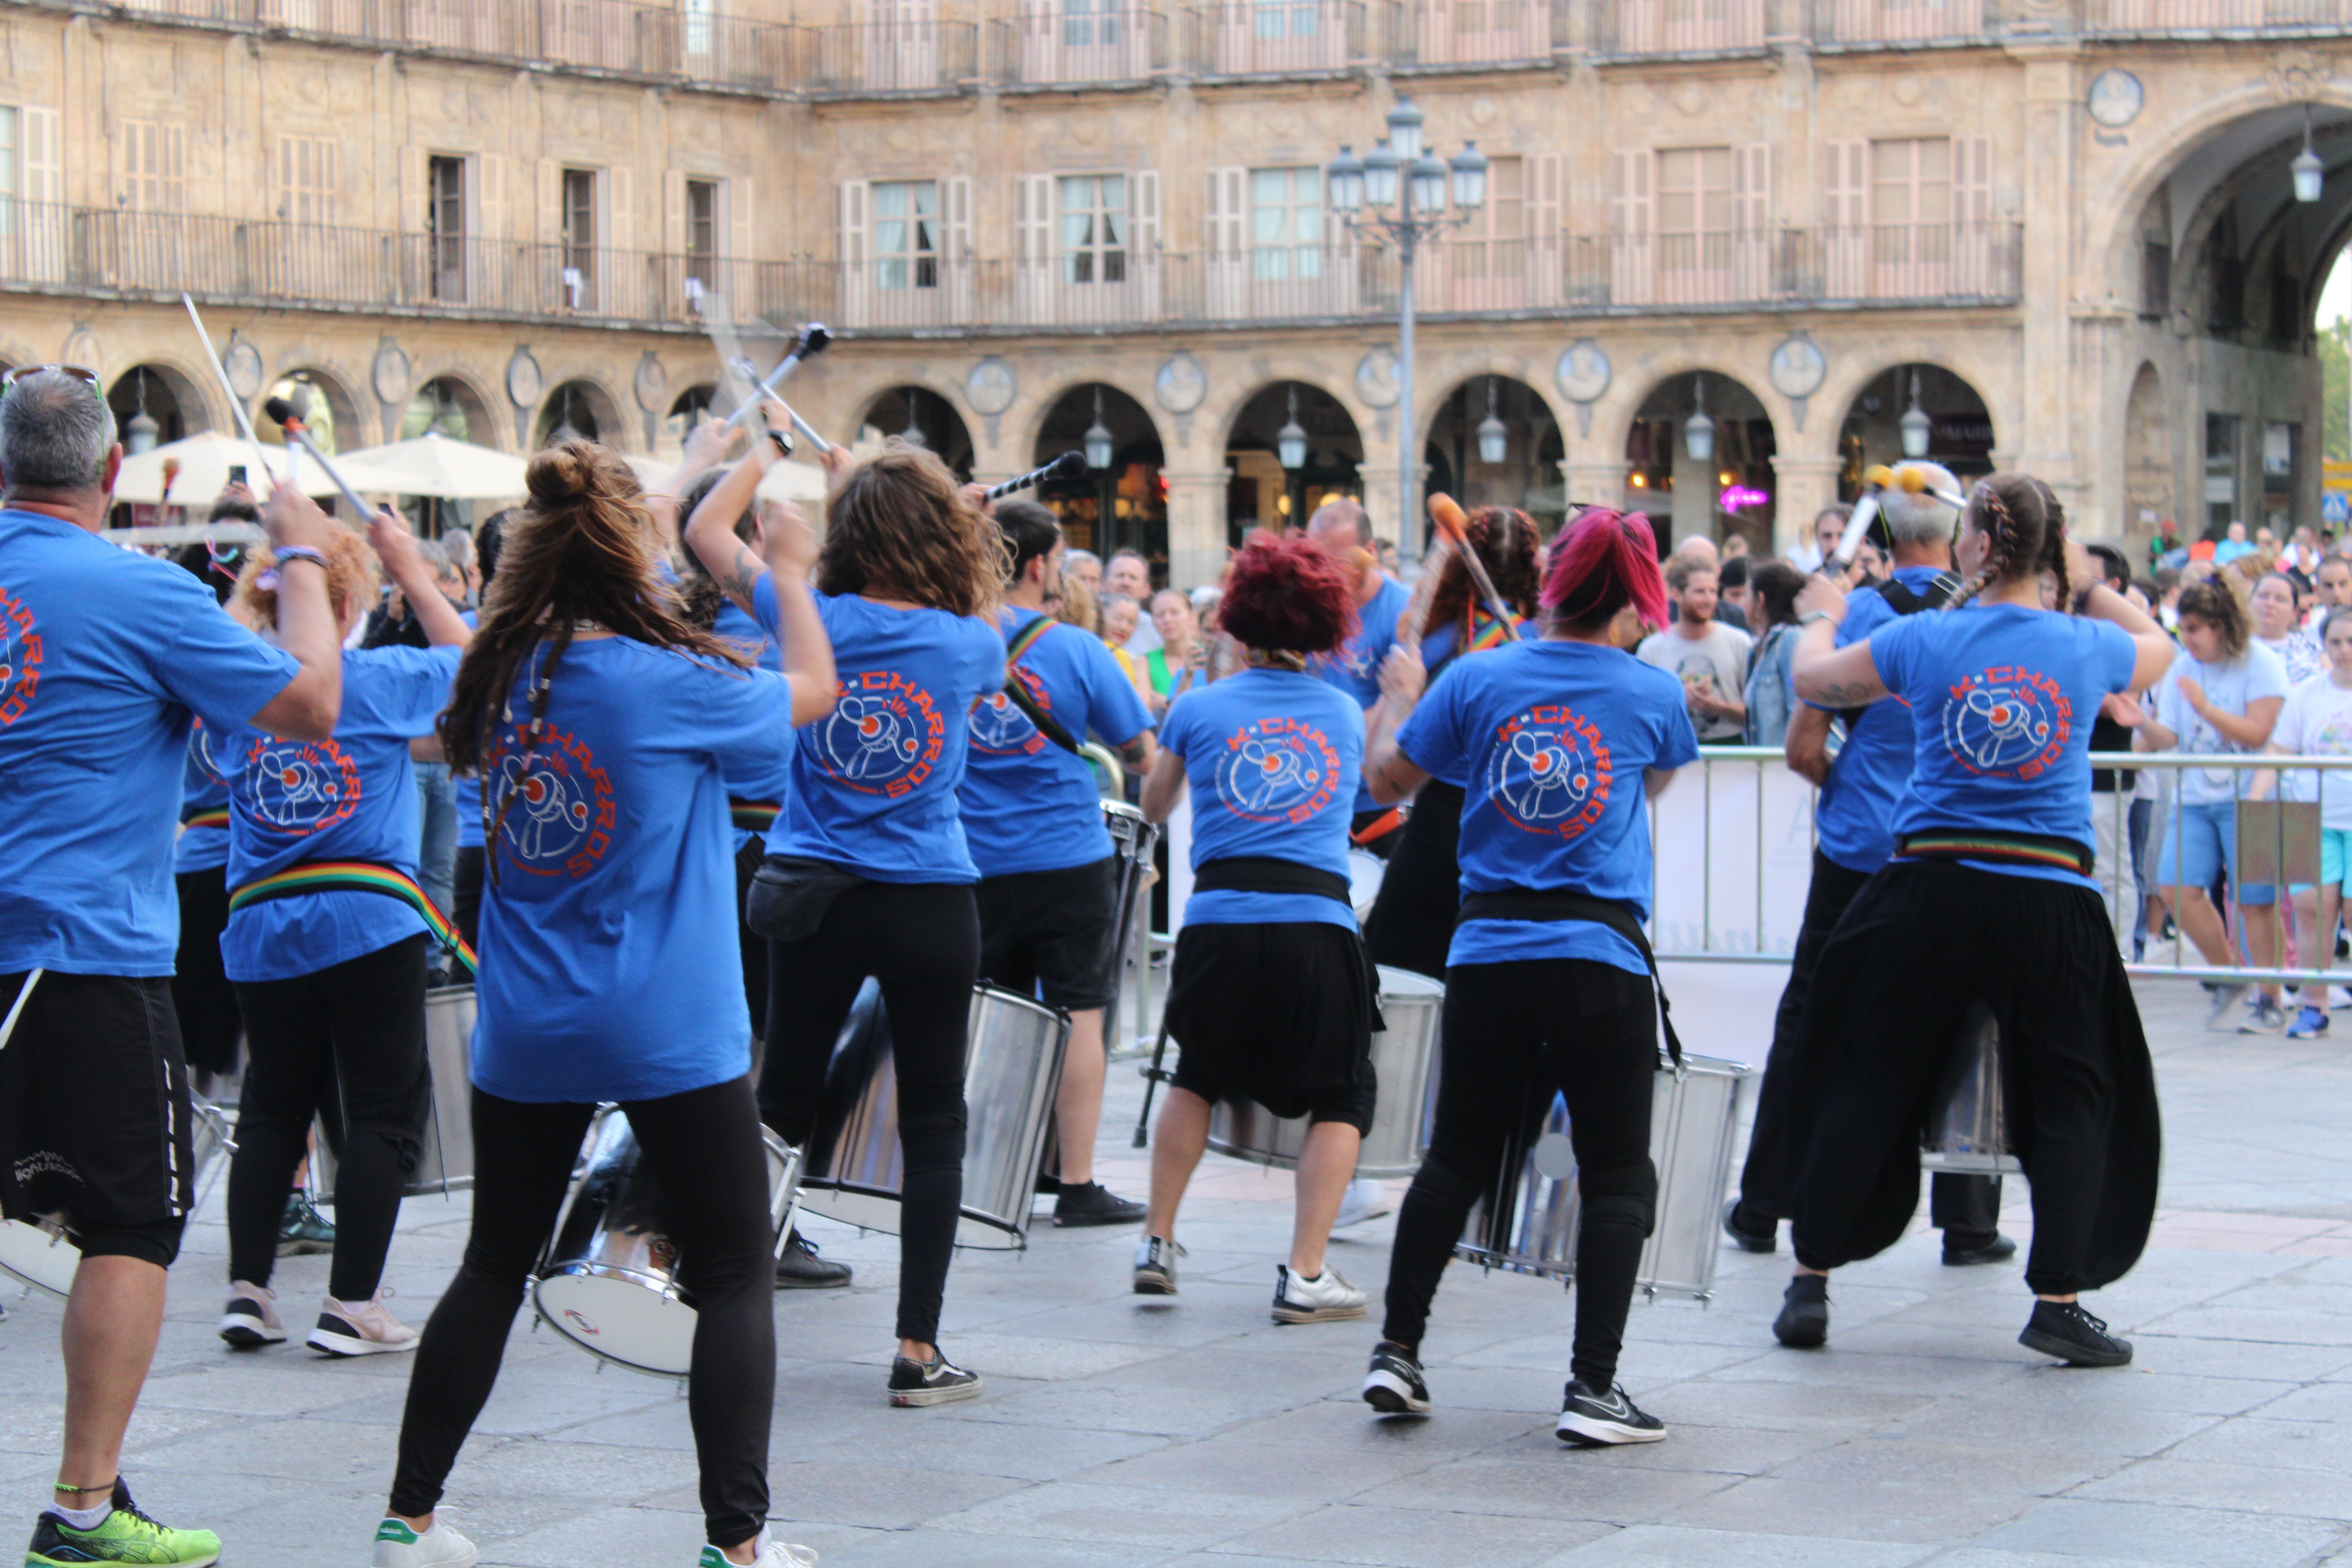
{"points": [[710, 532], [308, 706], [395, 546], [705, 448], [1823, 672], [808, 651], [1389, 774]]}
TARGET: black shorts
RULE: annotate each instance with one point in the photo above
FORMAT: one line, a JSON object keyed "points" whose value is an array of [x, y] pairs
{"points": [[1051, 934], [94, 1119], [1282, 1014]]}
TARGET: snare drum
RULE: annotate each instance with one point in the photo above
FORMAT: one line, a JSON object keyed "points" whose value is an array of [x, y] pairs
{"points": [[1013, 1065], [40, 1253], [1972, 1131], [1404, 1058], [609, 1279], [445, 1164], [1527, 1222]]}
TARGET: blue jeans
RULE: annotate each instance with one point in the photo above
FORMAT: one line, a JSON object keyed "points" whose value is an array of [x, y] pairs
{"points": [[436, 823]]}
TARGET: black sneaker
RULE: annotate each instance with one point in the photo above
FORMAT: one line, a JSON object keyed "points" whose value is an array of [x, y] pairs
{"points": [[1804, 1321], [1094, 1204], [2061, 1329], [936, 1382], [2000, 1249], [1749, 1238], [1590, 1419], [800, 1268], [303, 1231], [1392, 1385], [1155, 1266]]}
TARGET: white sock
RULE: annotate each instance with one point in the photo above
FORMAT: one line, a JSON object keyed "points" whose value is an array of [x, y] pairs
{"points": [[84, 1517]]}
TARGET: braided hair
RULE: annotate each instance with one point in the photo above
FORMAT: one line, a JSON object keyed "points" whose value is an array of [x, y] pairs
{"points": [[2027, 526]]}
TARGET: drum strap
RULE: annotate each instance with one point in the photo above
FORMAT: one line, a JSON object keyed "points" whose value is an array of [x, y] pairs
{"points": [[2006, 848], [1378, 827], [354, 876], [1018, 694], [1265, 874], [1567, 904], [753, 815], [215, 817]]}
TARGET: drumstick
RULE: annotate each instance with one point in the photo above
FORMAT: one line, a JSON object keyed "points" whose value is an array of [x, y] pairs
{"points": [[236, 404], [1424, 589], [1152, 1078], [1067, 467], [25, 993], [1455, 527], [811, 341], [1875, 478]]}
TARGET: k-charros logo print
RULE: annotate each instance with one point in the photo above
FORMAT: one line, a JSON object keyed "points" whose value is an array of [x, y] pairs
{"points": [[2008, 722], [1278, 770], [1000, 729], [20, 657], [558, 802], [1550, 770], [885, 735], [299, 787]]}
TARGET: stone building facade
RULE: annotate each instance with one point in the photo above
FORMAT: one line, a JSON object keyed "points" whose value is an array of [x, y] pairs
{"points": [[2064, 231]]}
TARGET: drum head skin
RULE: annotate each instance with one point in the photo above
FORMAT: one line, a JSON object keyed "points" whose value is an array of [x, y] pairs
{"points": [[41, 1258], [624, 1320]]}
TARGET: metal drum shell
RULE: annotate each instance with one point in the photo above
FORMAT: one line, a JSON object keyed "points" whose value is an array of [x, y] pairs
{"points": [[445, 1161], [616, 1294], [1969, 1131], [1366, 872], [1694, 1120], [1404, 1058], [1012, 1065], [1132, 842], [43, 1257]]}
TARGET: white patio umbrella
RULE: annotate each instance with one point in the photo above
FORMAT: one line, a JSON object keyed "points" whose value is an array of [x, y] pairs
{"points": [[434, 465], [794, 481], [204, 461]]}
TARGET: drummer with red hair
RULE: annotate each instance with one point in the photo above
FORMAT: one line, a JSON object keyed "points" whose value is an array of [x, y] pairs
{"points": [[1272, 996], [1550, 981]]}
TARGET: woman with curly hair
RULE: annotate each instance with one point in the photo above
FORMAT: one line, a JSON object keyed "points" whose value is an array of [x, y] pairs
{"points": [[603, 727], [1272, 996], [1991, 898], [868, 872], [1411, 922], [1548, 986]]}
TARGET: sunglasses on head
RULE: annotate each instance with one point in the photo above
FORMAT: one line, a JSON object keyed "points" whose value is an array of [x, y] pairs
{"points": [[82, 374]]}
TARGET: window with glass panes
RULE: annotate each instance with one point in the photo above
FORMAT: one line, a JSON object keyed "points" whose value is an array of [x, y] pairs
{"points": [[907, 234], [1911, 199], [1094, 228], [1695, 194], [1285, 18], [1086, 23], [1285, 223]]}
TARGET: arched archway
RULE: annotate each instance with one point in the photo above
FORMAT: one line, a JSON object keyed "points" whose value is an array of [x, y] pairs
{"points": [[1123, 506], [1959, 433], [1714, 475], [917, 412], [581, 408], [1505, 417], [2148, 455], [323, 403], [154, 404], [1265, 493], [686, 410], [450, 405]]}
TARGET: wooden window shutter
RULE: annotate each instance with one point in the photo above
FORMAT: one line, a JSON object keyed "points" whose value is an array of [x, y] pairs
{"points": [[551, 202], [490, 184], [958, 227], [625, 228], [416, 200], [1632, 221], [736, 193], [849, 250], [673, 234], [1547, 218]]}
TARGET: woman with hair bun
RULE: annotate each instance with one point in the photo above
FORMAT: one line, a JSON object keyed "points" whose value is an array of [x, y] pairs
{"points": [[1271, 996], [1547, 984], [1991, 898], [868, 872], [603, 727]]}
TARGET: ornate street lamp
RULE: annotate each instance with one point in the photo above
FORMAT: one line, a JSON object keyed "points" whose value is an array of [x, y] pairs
{"points": [[1097, 437], [1916, 425], [1494, 440], [1290, 441], [1698, 430], [2310, 173]]}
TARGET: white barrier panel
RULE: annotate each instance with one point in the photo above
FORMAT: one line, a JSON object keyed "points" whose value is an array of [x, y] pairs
{"points": [[1725, 1009], [1733, 836]]}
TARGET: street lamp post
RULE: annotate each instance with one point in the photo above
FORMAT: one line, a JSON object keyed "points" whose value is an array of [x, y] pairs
{"points": [[1399, 172]]}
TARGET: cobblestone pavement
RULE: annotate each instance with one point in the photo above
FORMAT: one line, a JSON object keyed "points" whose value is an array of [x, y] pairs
{"points": [[1121, 1431]]}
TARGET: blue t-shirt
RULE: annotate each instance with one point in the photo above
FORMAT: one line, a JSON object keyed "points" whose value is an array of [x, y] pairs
{"points": [[1354, 667], [353, 797], [1440, 647], [1555, 737], [738, 628], [1027, 804], [2002, 702], [874, 781], [467, 788], [103, 653], [1274, 758], [1856, 814], [611, 959], [201, 846]]}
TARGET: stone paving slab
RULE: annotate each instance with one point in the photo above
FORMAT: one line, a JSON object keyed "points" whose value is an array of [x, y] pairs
{"points": [[1119, 1432]]}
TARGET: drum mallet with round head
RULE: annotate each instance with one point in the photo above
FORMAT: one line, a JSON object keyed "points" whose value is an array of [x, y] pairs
{"points": [[1874, 479], [1069, 465], [811, 342], [281, 414]]}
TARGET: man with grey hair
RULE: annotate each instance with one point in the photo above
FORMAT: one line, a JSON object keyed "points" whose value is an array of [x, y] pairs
{"points": [[1854, 837], [105, 654]]}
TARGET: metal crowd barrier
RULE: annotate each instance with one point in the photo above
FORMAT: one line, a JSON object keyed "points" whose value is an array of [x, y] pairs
{"points": [[1733, 838]]}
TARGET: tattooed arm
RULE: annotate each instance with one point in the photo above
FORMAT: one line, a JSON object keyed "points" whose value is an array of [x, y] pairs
{"points": [[1836, 677]]}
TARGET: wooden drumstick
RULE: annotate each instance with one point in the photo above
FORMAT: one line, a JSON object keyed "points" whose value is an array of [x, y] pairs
{"points": [[1455, 527]]}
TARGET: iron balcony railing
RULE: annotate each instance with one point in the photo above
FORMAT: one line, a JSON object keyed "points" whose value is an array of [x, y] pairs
{"points": [[1078, 43], [1438, 34], [107, 251], [1274, 37]]}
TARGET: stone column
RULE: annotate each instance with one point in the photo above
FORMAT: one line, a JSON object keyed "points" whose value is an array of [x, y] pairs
{"points": [[1594, 481], [1196, 524], [2056, 386], [1381, 504], [1807, 485]]}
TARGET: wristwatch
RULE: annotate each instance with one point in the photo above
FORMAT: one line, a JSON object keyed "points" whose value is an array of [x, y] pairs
{"points": [[784, 440]]}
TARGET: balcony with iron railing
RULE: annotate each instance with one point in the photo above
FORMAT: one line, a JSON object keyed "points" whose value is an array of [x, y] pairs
{"points": [[1473, 34], [1079, 44]]}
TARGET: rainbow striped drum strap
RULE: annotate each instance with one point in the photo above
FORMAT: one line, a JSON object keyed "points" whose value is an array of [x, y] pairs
{"points": [[354, 876], [2010, 849], [217, 817], [754, 815]]}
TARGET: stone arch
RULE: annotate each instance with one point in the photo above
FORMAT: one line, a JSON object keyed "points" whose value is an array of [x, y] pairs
{"points": [[1869, 435], [1263, 493], [1121, 507], [577, 396], [1529, 475], [175, 400], [312, 390], [1658, 460], [2150, 472], [453, 405], [1028, 418], [909, 405]]}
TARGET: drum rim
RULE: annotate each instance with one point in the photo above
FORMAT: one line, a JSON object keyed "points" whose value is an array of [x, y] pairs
{"points": [[892, 1195]]}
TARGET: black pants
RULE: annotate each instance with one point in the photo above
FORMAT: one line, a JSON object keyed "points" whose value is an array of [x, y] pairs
{"points": [[1965, 1209], [754, 945], [1516, 1033], [705, 1143], [201, 993], [1411, 922], [347, 1042], [468, 915], [921, 941]]}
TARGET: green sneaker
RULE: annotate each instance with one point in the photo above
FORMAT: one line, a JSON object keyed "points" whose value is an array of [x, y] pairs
{"points": [[767, 1551], [304, 1231], [127, 1535]]}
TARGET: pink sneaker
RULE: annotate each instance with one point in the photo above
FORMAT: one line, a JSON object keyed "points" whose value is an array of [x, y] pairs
{"points": [[366, 1329]]}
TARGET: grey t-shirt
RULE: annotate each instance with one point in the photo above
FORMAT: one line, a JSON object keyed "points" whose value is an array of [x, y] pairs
{"points": [[1716, 662]]}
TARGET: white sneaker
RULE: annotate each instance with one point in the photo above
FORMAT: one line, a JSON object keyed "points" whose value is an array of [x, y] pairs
{"points": [[769, 1552], [1365, 1199], [250, 1318], [366, 1329], [1326, 1298], [2339, 997], [397, 1546]]}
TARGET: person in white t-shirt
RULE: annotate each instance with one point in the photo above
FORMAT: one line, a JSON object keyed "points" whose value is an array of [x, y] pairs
{"points": [[2220, 698], [2317, 721], [1709, 658], [2275, 616]]}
